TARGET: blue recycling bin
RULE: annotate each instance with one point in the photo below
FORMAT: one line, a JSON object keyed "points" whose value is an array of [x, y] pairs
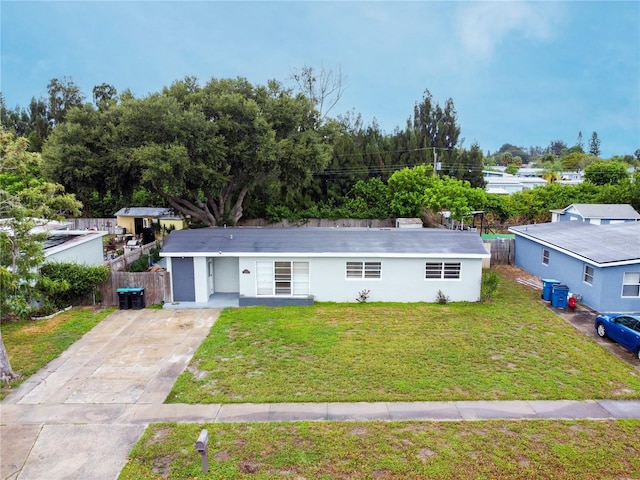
{"points": [[547, 286], [559, 295]]}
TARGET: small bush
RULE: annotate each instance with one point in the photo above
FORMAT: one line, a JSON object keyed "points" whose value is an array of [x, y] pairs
{"points": [[441, 298], [363, 295], [490, 283], [140, 265]]}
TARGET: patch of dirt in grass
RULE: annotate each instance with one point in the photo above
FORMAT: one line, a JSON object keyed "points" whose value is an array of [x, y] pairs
{"points": [[222, 456], [197, 373], [159, 436], [162, 465], [380, 473], [514, 274], [40, 327], [524, 462], [360, 431], [425, 454], [249, 468]]}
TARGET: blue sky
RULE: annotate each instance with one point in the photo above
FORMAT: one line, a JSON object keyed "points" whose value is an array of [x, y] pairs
{"points": [[524, 73]]}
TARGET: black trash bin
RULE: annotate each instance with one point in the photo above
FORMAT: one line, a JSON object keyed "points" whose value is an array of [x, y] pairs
{"points": [[137, 298], [124, 298]]}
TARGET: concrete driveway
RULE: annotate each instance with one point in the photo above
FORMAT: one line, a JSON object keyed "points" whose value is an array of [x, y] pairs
{"points": [[79, 416]]}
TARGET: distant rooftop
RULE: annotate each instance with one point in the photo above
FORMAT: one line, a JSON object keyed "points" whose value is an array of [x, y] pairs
{"points": [[145, 212]]}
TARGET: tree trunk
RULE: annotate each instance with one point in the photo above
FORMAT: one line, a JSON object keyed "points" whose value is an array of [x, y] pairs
{"points": [[6, 373]]}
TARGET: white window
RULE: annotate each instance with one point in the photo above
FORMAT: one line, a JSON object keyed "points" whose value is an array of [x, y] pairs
{"points": [[588, 274], [442, 270], [545, 256], [264, 278], [282, 278], [631, 284], [364, 269]]}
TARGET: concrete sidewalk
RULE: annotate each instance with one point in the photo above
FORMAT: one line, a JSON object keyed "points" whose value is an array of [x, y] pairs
{"points": [[79, 417]]}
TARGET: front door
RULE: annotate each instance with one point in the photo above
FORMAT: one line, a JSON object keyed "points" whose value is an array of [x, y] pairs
{"points": [[182, 280]]}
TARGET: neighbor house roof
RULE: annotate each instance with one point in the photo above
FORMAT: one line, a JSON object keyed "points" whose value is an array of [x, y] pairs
{"points": [[60, 240], [315, 241], [144, 212], [602, 245], [612, 211]]}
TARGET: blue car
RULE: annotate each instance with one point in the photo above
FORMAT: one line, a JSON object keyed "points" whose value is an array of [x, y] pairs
{"points": [[621, 328]]}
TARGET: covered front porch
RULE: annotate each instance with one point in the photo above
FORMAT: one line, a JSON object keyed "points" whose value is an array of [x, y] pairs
{"points": [[216, 300], [235, 300]]}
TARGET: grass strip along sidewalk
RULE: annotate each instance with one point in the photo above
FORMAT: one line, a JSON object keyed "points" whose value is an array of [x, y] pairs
{"points": [[571, 450]]}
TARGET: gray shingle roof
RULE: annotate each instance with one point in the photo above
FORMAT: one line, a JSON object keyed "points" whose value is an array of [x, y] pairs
{"points": [[613, 211], [144, 212], [317, 241], [601, 244]]}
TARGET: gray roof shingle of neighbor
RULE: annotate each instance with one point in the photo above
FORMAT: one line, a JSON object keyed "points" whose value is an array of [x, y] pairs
{"points": [[320, 240], [615, 211], [601, 244], [143, 212]]}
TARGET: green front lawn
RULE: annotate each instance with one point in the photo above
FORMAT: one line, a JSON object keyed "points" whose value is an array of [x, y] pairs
{"points": [[537, 449], [511, 348]]}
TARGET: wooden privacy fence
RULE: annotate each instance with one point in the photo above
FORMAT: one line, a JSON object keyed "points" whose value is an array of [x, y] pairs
{"points": [[502, 250], [157, 286]]}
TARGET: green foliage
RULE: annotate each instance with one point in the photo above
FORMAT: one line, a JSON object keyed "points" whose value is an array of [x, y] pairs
{"points": [[202, 149], [498, 206], [455, 196], [368, 199], [406, 190], [140, 265], [67, 284], [575, 161], [606, 172], [25, 199], [490, 284], [512, 169]]}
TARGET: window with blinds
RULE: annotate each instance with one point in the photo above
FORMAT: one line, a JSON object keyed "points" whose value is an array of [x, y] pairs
{"points": [[282, 278], [442, 270], [631, 284], [364, 269]]}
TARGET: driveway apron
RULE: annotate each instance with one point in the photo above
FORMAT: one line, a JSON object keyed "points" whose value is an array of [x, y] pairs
{"points": [[78, 417]]}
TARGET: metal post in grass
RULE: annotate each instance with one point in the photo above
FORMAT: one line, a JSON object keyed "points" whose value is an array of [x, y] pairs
{"points": [[201, 447]]}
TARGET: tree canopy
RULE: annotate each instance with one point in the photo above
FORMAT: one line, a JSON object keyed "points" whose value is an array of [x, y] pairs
{"points": [[25, 199], [202, 149]]}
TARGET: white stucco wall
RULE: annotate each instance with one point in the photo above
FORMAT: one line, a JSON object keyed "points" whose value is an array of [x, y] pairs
{"points": [[226, 274], [402, 279], [200, 276], [89, 252]]}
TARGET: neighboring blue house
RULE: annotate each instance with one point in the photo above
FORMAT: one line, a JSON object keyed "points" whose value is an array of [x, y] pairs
{"points": [[598, 213], [599, 262]]}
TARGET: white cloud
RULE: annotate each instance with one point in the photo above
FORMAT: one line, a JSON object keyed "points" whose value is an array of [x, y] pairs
{"points": [[482, 26]]}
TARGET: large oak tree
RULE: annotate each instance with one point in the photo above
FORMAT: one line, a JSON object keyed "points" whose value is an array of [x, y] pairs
{"points": [[202, 149]]}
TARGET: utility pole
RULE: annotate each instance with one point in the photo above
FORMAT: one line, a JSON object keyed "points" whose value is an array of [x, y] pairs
{"points": [[435, 162]]}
